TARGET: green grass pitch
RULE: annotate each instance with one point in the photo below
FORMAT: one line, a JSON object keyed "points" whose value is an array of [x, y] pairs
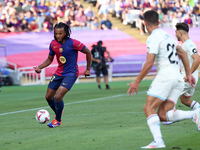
{"points": [[92, 120]]}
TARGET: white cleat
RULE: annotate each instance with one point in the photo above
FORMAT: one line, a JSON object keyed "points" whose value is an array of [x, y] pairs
{"points": [[154, 145], [167, 122], [196, 118]]}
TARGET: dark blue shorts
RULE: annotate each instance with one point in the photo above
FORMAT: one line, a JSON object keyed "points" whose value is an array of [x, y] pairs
{"points": [[65, 81]]}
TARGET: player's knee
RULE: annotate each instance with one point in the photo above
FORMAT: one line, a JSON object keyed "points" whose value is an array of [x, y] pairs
{"points": [[147, 108], [58, 97], [48, 97]]}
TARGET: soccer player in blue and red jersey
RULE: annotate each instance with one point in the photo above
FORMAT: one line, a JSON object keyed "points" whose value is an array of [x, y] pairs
{"points": [[66, 51]]}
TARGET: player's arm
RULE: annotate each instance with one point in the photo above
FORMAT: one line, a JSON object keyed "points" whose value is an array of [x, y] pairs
{"points": [[183, 56], [195, 63], [46, 63], [88, 59], [145, 70]]}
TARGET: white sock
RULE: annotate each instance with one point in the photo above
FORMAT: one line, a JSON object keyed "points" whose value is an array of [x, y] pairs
{"points": [[153, 122], [177, 115], [194, 105]]}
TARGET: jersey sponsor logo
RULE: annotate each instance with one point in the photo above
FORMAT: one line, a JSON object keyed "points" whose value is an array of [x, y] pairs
{"points": [[61, 50], [64, 83], [54, 46], [62, 59]]}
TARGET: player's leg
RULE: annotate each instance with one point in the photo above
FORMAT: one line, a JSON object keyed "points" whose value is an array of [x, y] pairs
{"points": [[157, 93], [178, 115], [59, 105], [164, 108], [169, 115], [64, 87], [153, 122], [186, 95], [50, 98], [167, 111], [188, 102], [51, 90], [175, 115]]}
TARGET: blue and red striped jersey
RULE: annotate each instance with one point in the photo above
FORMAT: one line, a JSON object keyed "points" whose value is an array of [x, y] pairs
{"points": [[67, 55]]}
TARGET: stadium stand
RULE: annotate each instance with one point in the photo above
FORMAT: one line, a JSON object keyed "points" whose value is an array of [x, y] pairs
{"points": [[34, 20]]}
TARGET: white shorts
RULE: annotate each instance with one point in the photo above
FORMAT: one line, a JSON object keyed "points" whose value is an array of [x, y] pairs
{"points": [[188, 90], [166, 89]]}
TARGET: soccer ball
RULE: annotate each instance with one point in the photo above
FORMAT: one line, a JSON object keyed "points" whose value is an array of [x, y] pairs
{"points": [[42, 116]]}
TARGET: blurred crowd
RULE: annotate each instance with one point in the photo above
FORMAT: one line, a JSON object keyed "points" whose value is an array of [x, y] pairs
{"points": [[170, 11], [41, 15]]}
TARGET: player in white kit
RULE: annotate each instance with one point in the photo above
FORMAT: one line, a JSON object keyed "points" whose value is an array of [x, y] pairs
{"points": [[163, 51], [189, 46]]}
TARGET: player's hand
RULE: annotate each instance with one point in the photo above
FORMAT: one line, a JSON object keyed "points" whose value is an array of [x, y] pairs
{"points": [[87, 73], [191, 80], [133, 88], [185, 79], [37, 70]]}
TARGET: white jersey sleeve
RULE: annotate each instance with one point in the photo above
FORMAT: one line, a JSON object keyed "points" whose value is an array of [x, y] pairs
{"points": [[190, 47]]}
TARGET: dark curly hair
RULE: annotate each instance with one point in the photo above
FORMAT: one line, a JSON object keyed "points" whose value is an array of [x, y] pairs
{"points": [[182, 26], [66, 28]]}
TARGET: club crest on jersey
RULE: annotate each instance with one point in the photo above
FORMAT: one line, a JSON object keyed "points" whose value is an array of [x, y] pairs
{"points": [[61, 50], [194, 51], [62, 59]]}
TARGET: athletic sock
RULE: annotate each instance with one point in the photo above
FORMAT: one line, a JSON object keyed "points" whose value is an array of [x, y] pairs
{"points": [[52, 104], [153, 122], [194, 105], [178, 115], [59, 108]]}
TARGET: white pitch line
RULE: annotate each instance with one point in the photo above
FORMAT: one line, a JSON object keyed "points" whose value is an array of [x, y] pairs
{"points": [[95, 114], [78, 102]]}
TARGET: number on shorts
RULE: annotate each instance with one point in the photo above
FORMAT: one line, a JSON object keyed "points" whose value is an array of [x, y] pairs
{"points": [[172, 56], [53, 78]]}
